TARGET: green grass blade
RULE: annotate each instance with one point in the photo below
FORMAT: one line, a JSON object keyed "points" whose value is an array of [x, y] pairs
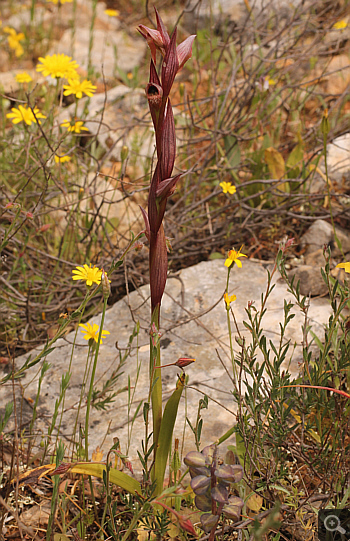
{"points": [[166, 433]]}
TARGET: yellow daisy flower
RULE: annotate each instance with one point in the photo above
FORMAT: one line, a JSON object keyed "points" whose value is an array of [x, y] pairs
{"points": [[62, 159], [58, 65], [14, 39], [233, 257], [77, 127], [111, 12], [79, 88], [228, 188], [340, 25], [23, 113], [228, 299], [91, 275], [92, 332], [345, 266], [23, 77]]}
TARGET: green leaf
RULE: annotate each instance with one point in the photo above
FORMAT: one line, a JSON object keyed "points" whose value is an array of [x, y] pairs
{"points": [[233, 152], [166, 434], [115, 476], [295, 158], [216, 255]]}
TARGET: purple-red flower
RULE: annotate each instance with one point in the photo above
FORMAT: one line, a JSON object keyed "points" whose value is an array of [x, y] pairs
{"points": [[162, 184]]}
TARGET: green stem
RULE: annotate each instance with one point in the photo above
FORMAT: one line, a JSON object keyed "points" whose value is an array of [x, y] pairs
{"points": [[155, 382], [85, 376], [230, 330], [94, 366], [68, 372]]}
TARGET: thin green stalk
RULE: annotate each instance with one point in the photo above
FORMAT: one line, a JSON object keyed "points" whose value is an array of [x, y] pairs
{"points": [[54, 496], [92, 380], [230, 330], [32, 11], [43, 371], [86, 373], [91, 40], [155, 380], [68, 373]]}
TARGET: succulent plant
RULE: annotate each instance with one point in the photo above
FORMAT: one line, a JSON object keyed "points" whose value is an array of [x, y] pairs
{"points": [[211, 482]]}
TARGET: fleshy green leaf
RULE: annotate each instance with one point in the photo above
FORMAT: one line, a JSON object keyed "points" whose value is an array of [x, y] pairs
{"points": [[117, 477], [166, 433]]}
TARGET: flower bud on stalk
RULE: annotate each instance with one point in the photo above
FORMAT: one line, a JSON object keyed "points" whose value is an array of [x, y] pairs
{"points": [[124, 153], [106, 286]]}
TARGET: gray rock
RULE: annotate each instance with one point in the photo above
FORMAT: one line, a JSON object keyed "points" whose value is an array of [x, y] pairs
{"points": [[110, 50], [194, 324], [320, 233], [338, 157], [311, 282], [23, 18]]}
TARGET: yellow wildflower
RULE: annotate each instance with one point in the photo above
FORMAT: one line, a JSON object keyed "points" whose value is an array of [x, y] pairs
{"points": [[91, 275], [79, 88], [228, 299], [111, 12], [233, 257], [345, 266], [23, 113], [23, 77], [58, 65], [92, 332], [14, 40], [77, 127], [340, 25], [62, 159], [228, 188]]}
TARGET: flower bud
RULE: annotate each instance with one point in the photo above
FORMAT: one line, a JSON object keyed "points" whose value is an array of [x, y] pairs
{"points": [[184, 361], [106, 287], [325, 123], [124, 153], [195, 458], [138, 246]]}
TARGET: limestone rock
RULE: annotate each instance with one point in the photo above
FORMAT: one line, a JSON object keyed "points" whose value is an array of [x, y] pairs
{"points": [[338, 156], [320, 233], [193, 321], [311, 281], [23, 17], [315, 259], [110, 50]]}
